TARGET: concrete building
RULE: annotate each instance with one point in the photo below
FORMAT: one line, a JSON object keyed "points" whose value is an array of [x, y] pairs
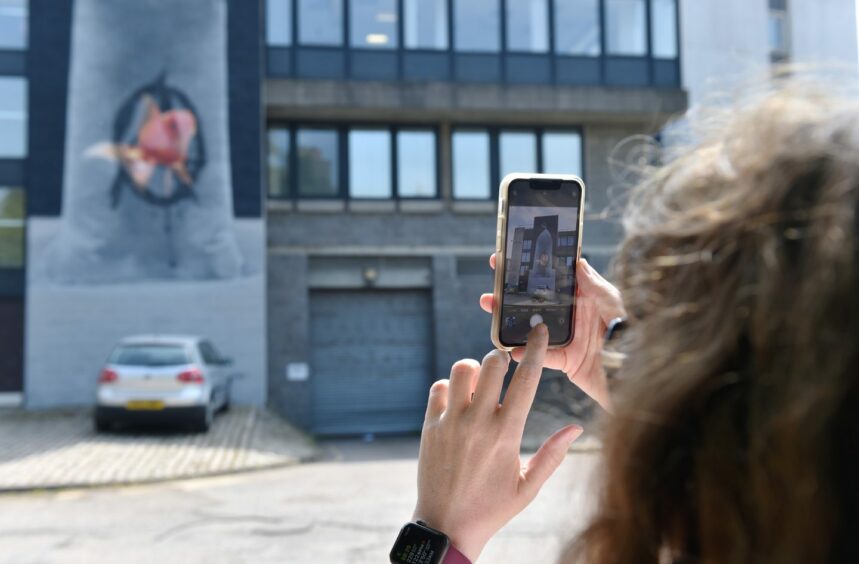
{"points": [[384, 127]]}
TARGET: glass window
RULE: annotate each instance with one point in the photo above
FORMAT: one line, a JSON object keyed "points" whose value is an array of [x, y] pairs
{"points": [[373, 24], [318, 152], [664, 28], [13, 117], [518, 152], [471, 165], [416, 164], [778, 31], [278, 22], [477, 25], [626, 29], [562, 153], [320, 22], [13, 24], [150, 355], [278, 162], [577, 27], [425, 24], [528, 26], [370, 163], [12, 216]]}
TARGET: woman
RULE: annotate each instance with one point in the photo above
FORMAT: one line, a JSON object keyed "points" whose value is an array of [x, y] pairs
{"points": [[734, 423]]}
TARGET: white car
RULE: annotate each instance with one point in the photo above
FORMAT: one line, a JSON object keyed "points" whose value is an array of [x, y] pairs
{"points": [[163, 379]]}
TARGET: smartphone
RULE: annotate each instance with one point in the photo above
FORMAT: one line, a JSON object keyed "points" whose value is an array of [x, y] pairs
{"points": [[538, 245]]}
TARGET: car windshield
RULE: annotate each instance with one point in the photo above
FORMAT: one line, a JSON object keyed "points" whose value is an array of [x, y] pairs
{"points": [[150, 355]]}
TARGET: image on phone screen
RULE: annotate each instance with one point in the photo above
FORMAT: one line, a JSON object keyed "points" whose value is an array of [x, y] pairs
{"points": [[542, 242]]}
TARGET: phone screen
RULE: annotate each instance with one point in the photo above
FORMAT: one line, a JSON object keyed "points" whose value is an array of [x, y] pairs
{"points": [[542, 241]]}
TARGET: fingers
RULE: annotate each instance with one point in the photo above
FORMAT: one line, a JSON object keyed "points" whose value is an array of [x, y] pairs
{"points": [[492, 261], [547, 459], [491, 380], [591, 285], [437, 399], [523, 387], [463, 379], [486, 302], [556, 359]]}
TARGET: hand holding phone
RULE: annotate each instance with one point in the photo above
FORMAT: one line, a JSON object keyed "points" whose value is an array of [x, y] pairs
{"points": [[537, 249]]}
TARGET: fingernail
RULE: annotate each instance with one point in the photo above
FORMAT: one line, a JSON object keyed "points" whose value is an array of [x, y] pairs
{"points": [[573, 433]]}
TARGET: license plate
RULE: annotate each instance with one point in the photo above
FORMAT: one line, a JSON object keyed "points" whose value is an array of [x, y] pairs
{"points": [[145, 405]]}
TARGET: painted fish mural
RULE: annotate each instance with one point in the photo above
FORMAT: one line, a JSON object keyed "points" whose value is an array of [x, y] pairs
{"points": [[156, 144]]}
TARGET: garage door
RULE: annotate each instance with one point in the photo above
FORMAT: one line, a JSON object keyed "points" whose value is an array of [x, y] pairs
{"points": [[371, 360]]}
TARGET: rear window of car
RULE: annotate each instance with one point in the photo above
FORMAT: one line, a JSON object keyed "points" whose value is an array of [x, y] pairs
{"points": [[150, 355]]}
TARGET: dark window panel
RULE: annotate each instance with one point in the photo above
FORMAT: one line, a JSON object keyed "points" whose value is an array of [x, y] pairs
{"points": [[318, 157], [278, 163], [12, 218]]}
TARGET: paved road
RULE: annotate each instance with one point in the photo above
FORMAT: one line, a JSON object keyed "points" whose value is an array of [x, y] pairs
{"points": [[344, 509]]}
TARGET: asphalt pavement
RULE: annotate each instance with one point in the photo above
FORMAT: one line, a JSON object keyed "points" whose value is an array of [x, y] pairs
{"points": [[346, 508]]}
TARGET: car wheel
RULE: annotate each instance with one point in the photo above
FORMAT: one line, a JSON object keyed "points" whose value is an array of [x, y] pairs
{"points": [[101, 425], [226, 406], [204, 419]]}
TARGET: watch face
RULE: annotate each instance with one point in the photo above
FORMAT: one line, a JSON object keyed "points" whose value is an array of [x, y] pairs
{"points": [[418, 545]]}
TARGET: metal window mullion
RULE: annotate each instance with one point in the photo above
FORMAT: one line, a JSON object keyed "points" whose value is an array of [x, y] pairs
{"points": [[394, 152], [293, 54], [346, 6], [539, 146], [648, 9], [553, 59], [502, 52], [401, 39], [603, 40], [292, 159], [494, 162], [343, 158]]}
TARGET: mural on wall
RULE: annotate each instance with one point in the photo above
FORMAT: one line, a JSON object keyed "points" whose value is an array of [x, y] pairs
{"points": [[147, 191], [155, 141], [146, 240]]}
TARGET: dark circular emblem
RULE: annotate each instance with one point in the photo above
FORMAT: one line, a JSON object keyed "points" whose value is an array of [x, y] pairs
{"points": [[158, 144]]}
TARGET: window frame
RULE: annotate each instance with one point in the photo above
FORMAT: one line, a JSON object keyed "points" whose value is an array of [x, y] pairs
{"points": [[287, 57], [342, 130], [495, 132]]}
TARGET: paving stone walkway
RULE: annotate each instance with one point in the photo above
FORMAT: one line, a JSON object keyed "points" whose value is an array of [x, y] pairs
{"points": [[55, 449]]}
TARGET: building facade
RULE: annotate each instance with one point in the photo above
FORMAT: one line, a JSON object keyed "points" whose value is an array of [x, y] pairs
{"points": [[369, 137]]}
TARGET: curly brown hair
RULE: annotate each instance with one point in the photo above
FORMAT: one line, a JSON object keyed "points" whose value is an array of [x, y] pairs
{"points": [[736, 424]]}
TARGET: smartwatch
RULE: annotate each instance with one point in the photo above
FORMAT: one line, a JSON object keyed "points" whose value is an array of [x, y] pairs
{"points": [[419, 544]]}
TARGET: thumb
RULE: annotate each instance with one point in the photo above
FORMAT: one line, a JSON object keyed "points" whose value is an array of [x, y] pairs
{"points": [[547, 459]]}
